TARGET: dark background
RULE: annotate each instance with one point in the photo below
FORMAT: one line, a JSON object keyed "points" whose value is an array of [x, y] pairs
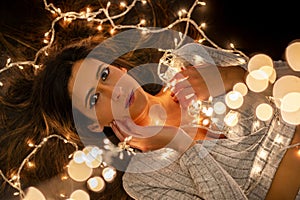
{"points": [[253, 26]]}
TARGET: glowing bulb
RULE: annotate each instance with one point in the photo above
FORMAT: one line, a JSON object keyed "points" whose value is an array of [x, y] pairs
{"points": [[30, 164], [285, 85], [292, 53], [234, 99], [219, 108], [143, 21], [1, 84], [290, 102], [79, 172], [257, 81], [122, 4], [270, 72], [112, 31], [205, 122], [258, 61], [80, 195], [96, 184], [202, 3], [99, 28], [79, 157], [109, 173], [231, 119], [241, 88], [179, 13], [298, 152], [34, 193], [264, 112], [203, 25], [201, 40], [231, 45]]}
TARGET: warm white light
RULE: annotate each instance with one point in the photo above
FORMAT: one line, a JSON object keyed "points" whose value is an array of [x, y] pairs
{"points": [[231, 118], [96, 184], [109, 173], [234, 99], [33, 193], [112, 31], [264, 111], [92, 156], [270, 71], [202, 3], [79, 172], [93, 161], [241, 88], [257, 80], [258, 61], [291, 117], [143, 21], [122, 4], [292, 53], [79, 195], [99, 28], [79, 157], [290, 102], [205, 122], [219, 108], [285, 85]]}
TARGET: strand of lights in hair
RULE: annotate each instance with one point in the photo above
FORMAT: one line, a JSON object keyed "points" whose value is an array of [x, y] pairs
{"points": [[79, 168], [92, 16], [234, 98], [15, 179]]}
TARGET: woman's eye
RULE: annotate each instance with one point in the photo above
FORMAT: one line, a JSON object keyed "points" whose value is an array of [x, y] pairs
{"points": [[94, 99], [104, 74]]}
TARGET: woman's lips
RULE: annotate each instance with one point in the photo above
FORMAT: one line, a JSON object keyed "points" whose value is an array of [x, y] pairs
{"points": [[130, 99]]}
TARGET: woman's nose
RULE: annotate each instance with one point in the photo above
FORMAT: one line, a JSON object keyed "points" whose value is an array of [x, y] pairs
{"points": [[117, 93]]}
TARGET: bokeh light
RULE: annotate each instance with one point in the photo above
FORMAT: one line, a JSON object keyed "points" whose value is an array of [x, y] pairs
{"points": [[292, 54]]}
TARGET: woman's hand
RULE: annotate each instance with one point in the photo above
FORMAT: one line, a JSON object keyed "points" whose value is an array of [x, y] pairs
{"points": [[147, 138], [203, 81]]}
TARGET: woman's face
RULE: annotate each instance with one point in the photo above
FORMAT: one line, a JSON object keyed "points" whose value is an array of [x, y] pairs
{"points": [[103, 92]]}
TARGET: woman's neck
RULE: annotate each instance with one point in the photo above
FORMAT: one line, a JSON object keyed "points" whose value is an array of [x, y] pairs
{"points": [[161, 109]]}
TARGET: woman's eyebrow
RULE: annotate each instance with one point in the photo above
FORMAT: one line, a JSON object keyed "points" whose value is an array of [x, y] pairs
{"points": [[98, 71], [88, 95], [92, 89]]}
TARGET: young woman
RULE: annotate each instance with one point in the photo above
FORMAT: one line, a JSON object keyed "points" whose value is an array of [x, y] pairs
{"points": [[80, 91], [118, 101]]}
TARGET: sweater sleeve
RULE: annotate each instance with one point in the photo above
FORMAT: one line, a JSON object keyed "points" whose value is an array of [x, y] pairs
{"points": [[196, 175], [210, 179]]}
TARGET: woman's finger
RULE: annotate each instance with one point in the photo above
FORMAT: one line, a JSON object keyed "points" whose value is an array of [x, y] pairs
{"points": [[180, 85], [185, 96]]}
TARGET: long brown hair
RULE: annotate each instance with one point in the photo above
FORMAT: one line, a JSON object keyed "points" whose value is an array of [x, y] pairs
{"points": [[36, 105]]}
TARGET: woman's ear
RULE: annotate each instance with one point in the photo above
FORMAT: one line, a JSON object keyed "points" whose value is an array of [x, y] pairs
{"points": [[95, 127]]}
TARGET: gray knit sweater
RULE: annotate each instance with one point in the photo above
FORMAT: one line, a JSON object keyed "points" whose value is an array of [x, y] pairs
{"points": [[240, 167]]}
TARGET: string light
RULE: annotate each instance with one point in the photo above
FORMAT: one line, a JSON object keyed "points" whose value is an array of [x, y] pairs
{"points": [[201, 110]]}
